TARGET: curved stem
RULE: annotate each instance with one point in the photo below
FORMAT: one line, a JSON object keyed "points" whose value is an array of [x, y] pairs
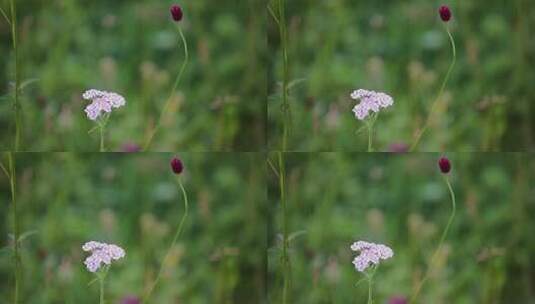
{"points": [[440, 91], [173, 243], [442, 239], [173, 90], [285, 258], [17, 74]]}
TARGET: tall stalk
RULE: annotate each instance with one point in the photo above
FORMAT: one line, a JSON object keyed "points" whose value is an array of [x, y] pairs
{"points": [[285, 73], [101, 132], [18, 119], [440, 91], [285, 108], [101, 284], [173, 90], [285, 257], [370, 291], [12, 176], [441, 242], [173, 243]]}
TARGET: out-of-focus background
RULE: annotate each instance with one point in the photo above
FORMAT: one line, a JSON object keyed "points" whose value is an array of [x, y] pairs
{"points": [[133, 48], [133, 200], [335, 199], [401, 48]]}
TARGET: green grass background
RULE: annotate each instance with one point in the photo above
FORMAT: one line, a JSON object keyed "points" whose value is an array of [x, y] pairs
{"points": [[335, 199], [401, 47], [133, 200], [132, 47]]}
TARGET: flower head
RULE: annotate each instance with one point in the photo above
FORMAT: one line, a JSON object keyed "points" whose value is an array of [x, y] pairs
{"points": [[445, 13], [130, 300], [176, 12], [370, 254], [101, 253], [398, 300], [130, 147], [370, 101], [444, 165], [177, 165], [102, 101], [398, 147]]}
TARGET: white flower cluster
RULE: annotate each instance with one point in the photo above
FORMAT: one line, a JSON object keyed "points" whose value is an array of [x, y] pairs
{"points": [[370, 254], [102, 101], [370, 101], [101, 253]]}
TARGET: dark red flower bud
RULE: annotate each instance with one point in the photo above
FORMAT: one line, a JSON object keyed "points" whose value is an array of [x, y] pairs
{"points": [[444, 165], [176, 165], [130, 147], [398, 147], [398, 300], [130, 300], [445, 13], [176, 12]]}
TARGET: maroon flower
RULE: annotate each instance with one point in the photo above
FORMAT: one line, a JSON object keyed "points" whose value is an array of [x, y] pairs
{"points": [[130, 147], [397, 300], [445, 13], [398, 147], [176, 165], [444, 165], [176, 12], [130, 300]]}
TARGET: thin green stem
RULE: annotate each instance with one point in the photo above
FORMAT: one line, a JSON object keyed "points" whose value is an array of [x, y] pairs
{"points": [[285, 258], [18, 120], [173, 243], [370, 135], [370, 290], [370, 122], [101, 126], [5, 16], [440, 91], [285, 73], [441, 242], [101, 132], [101, 282], [18, 270], [173, 90]]}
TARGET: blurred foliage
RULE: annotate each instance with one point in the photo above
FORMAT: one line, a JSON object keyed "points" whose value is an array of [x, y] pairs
{"points": [[132, 47], [401, 47], [335, 199], [133, 200]]}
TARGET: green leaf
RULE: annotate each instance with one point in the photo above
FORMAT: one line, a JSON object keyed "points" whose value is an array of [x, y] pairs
{"points": [[92, 281], [295, 82], [27, 234], [296, 234], [27, 82]]}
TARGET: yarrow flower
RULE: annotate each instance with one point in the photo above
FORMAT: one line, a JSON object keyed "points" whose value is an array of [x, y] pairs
{"points": [[101, 253], [370, 254], [102, 101], [370, 101]]}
